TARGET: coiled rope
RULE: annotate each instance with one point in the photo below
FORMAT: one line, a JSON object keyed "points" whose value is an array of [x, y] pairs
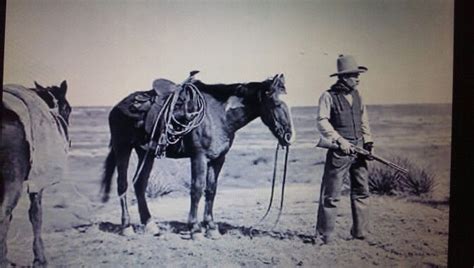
{"points": [[172, 133]]}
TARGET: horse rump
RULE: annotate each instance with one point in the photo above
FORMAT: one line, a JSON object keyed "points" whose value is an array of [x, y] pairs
{"points": [[33, 147], [14, 162], [14, 169]]}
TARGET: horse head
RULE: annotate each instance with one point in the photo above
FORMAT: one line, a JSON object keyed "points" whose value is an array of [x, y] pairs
{"points": [[55, 98], [274, 111]]}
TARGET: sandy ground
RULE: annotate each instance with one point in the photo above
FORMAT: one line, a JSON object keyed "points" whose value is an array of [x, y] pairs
{"points": [[81, 231]]}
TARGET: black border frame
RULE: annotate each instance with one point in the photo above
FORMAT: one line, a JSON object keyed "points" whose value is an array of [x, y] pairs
{"points": [[461, 224], [461, 216]]}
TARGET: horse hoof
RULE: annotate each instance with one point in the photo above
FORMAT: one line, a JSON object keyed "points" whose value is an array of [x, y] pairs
{"points": [[105, 198], [213, 234], [7, 263], [197, 236], [128, 231], [165, 236], [40, 263], [152, 228]]}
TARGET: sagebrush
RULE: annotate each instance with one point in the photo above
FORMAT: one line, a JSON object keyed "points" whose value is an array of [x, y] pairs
{"points": [[167, 176], [388, 181], [384, 180]]}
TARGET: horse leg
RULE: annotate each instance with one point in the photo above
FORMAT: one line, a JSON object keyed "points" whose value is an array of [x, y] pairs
{"points": [[213, 171], [140, 188], [36, 218], [122, 155], [4, 225], [14, 169], [198, 173], [10, 196]]}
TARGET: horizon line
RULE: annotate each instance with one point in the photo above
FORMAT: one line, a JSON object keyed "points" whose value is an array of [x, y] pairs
{"points": [[306, 106]]}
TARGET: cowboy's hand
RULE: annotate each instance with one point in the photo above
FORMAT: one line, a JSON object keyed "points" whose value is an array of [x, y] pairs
{"points": [[345, 146], [369, 146]]}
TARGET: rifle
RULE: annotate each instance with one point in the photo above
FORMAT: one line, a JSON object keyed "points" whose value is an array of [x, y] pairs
{"points": [[327, 144]]}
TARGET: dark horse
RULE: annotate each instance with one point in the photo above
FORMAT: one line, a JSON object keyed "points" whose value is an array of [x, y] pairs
{"points": [[17, 157], [229, 108]]}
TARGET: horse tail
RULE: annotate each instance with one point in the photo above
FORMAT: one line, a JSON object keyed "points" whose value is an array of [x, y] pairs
{"points": [[109, 168]]}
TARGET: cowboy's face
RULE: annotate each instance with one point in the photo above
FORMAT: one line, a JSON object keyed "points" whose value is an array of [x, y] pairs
{"points": [[352, 80]]}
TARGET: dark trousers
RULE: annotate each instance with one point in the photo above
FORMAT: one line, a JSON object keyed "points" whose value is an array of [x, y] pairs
{"points": [[337, 167]]}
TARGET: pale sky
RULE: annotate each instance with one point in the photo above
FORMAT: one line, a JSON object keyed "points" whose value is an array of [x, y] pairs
{"points": [[106, 49]]}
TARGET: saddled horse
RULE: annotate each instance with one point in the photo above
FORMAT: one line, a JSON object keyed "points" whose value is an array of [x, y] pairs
{"points": [[229, 108], [33, 147]]}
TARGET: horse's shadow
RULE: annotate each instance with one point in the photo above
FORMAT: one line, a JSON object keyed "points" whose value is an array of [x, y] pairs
{"points": [[182, 228], [253, 232], [170, 226]]}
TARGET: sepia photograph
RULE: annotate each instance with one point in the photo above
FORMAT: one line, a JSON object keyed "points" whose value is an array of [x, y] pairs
{"points": [[226, 133]]}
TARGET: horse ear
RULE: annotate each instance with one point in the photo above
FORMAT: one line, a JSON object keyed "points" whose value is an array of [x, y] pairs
{"points": [[61, 90], [281, 84], [63, 87], [38, 86], [282, 77]]}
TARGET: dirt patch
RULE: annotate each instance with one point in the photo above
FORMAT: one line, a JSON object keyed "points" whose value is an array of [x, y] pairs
{"points": [[403, 232]]}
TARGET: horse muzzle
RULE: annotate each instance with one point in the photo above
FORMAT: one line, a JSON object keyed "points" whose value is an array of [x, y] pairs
{"points": [[285, 139], [288, 137]]}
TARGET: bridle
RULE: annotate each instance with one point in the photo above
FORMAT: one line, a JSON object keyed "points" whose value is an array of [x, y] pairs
{"points": [[275, 164], [262, 97]]}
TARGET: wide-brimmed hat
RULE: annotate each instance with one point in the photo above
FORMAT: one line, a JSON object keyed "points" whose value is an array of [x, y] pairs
{"points": [[346, 64]]}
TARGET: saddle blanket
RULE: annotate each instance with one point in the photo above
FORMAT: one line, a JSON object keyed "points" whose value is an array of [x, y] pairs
{"points": [[47, 142]]}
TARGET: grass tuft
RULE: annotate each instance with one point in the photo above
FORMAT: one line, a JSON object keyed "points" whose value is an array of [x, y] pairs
{"points": [[157, 188], [384, 180], [167, 176]]}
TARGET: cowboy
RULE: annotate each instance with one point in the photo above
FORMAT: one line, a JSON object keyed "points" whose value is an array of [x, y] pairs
{"points": [[342, 118]]}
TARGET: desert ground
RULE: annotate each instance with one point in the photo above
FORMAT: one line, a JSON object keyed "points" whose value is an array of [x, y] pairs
{"points": [[407, 231]]}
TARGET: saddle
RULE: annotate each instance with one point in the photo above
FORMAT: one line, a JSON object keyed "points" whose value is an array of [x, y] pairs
{"points": [[163, 89], [147, 106]]}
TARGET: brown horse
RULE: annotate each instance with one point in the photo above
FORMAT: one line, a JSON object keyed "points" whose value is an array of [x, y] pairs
{"points": [[228, 108], [25, 147]]}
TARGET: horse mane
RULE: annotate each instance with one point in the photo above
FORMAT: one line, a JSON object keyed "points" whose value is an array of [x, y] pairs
{"points": [[55, 99], [51, 94], [45, 96], [224, 91]]}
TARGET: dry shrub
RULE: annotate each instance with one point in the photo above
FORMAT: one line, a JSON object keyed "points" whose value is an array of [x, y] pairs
{"points": [[157, 187], [419, 180], [167, 176], [385, 180]]}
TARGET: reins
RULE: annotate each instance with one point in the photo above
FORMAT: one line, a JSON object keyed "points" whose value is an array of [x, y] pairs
{"points": [[287, 150], [273, 184], [282, 186]]}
